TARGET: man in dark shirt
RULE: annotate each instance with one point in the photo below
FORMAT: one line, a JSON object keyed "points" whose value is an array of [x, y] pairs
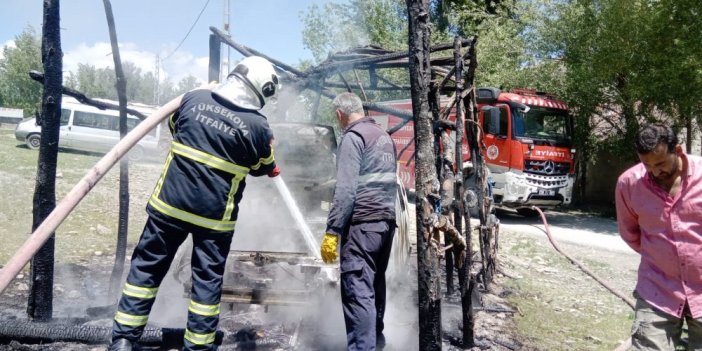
{"points": [[363, 214]]}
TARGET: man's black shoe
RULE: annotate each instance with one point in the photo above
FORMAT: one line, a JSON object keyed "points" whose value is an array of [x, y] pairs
{"points": [[120, 345]]}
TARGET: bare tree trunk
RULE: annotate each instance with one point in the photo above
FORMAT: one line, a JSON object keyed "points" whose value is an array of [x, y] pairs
{"points": [[40, 302], [444, 168], [123, 226], [429, 282], [630, 121], [688, 129]]}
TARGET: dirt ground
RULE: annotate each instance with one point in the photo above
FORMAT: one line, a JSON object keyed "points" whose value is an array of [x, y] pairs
{"points": [[538, 300]]}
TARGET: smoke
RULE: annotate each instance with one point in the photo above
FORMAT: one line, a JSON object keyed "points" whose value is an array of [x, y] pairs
{"points": [[311, 310], [401, 314]]}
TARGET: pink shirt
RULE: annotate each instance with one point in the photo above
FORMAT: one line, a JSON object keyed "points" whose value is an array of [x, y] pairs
{"points": [[667, 232]]}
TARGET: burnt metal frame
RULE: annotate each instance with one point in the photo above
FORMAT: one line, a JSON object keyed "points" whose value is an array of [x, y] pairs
{"points": [[454, 79]]}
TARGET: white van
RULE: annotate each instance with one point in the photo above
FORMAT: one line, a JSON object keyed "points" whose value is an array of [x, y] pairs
{"points": [[88, 128]]}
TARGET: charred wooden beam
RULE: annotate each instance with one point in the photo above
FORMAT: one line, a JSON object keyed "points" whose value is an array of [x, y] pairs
{"points": [[39, 77], [404, 114], [346, 65], [215, 58], [261, 258], [317, 100], [461, 59], [367, 87], [460, 213], [343, 80], [428, 275], [360, 85], [123, 218], [443, 223], [399, 63], [40, 300], [373, 77], [265, 296], [386, 81], [46, 333], [247, 51]]}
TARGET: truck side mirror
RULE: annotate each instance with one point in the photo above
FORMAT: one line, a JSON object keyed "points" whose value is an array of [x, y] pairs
{"points": [[492, 114]]}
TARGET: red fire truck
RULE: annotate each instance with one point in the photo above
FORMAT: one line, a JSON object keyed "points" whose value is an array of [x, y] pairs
{"points": [[528, 138]]}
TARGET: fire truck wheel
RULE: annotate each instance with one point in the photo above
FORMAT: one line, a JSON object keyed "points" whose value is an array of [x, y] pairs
{"points": [[471, 196]]}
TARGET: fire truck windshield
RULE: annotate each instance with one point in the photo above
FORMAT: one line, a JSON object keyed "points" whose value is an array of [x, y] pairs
{"points": [[545, 124]]}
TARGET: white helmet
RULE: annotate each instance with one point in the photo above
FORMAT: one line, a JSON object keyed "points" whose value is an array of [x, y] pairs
{"points": [[251, 83]]}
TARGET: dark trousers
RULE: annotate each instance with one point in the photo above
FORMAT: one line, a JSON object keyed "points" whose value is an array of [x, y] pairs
{"points": [[150, 262], [365, 251]]}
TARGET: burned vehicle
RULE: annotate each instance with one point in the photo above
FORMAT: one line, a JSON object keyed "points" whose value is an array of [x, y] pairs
{"points": [[274, 257]]}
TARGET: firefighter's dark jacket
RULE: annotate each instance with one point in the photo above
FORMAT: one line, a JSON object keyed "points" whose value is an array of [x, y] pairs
{"points": [[366, 181], [215, 145]]}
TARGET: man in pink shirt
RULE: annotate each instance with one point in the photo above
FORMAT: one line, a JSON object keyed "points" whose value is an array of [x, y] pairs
{"points": [[659, 213]]}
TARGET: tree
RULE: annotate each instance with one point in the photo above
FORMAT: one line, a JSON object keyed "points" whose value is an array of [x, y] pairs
{"points": [[338, 27], [503, 54], [16, 88], [186, 84], [141, 87], [627, 62]]}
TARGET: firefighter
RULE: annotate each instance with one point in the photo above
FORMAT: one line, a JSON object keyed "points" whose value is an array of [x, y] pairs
{"points": [[362, 215], [219, 137]]}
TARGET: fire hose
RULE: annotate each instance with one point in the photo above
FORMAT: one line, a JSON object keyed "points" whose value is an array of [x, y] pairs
{"points": [[626, 344], [82, 188]]}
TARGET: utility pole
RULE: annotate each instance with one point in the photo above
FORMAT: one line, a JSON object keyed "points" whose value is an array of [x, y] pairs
{"points": [[226, 62], [157, 83]]}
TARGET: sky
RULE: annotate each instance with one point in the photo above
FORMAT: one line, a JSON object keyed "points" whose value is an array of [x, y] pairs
{"points": [[147, 28]]}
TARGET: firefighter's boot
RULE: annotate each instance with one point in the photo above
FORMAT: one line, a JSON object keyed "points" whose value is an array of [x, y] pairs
{"points": [[120, 345]]}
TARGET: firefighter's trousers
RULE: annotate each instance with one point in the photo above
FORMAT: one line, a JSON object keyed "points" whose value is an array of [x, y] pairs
{"points": [[365, 251], [151, 259]]}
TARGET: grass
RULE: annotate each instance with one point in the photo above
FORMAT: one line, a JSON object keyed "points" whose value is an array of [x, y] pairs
{"points": [[92, 227], [560, 307]]}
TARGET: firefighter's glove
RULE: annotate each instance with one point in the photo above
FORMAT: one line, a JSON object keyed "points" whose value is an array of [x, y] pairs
{"points": [[328, 249], [274, 172]]}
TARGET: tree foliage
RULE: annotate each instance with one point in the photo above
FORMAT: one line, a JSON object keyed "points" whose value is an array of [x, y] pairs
{"points": [[618, 63], [336, 27], [141, 87], [626, 62], [505, 60], [17, 90]]}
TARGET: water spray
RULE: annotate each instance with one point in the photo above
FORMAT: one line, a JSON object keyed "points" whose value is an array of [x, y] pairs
{"points": [[310, 241]]}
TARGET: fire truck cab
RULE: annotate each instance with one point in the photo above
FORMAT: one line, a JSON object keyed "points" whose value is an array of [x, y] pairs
{"points": [[528, 147], [528, 138]]}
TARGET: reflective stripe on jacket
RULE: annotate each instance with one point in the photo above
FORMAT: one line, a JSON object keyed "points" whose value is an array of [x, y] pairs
{"points": [[366, 182], [215, 145]]}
